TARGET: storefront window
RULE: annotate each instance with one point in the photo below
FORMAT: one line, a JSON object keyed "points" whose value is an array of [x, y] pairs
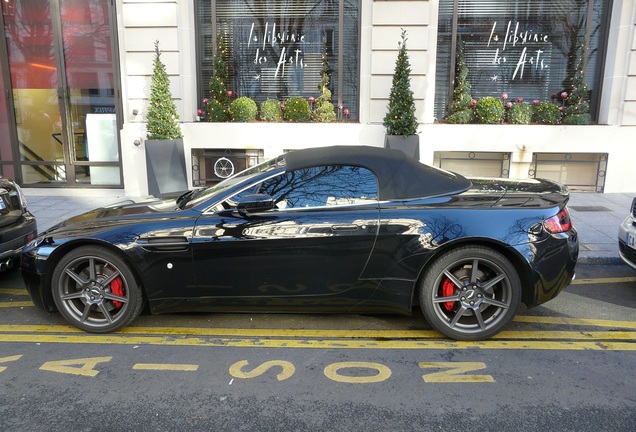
{"points": [[61, 61], [274, 48], [527, 49]]}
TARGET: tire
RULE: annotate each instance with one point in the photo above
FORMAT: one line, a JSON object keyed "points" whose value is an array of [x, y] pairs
{"points": [[95, 290], [466, 305]]}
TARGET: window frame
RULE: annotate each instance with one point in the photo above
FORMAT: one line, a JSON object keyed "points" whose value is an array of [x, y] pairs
{"points": [[338, 86], [596, 97]]}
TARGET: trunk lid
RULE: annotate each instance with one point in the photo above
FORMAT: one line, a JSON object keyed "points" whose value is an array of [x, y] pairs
{"points": [[501, 192]]}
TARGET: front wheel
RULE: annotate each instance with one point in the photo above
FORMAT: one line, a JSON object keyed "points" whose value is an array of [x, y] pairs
{"points": [[470, 293], [95, 290]]}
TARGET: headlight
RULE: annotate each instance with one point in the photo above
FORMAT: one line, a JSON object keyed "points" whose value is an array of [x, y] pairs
{"points": [[35, 242]]}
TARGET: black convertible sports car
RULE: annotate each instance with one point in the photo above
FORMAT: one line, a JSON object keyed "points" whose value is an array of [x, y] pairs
{"points": [[337, 229], [17, 225]]}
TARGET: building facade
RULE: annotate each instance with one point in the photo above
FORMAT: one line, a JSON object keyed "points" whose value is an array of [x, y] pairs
{"points": [[76, 75]]}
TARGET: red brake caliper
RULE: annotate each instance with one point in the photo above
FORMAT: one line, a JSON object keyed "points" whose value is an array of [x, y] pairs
{"points": [[117, 288], [448, 289]]}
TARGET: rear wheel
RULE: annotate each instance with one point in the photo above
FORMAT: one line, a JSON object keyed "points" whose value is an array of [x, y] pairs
{"points": [[470, 293], [95, 290]]}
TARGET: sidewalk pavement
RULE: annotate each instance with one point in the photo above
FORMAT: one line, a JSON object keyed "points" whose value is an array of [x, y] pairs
{"points": [[596, 216]]}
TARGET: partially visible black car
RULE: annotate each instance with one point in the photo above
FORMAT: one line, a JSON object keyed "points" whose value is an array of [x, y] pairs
{"points": [[336, 229], [17, 224]]}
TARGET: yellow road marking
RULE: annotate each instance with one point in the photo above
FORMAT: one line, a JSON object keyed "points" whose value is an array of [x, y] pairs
{"points": [[577, 335], [454, 372], [166, 367], [238, 332], [361, 334], [288, 369], [9, 291], [86, 366], [322, 344], [332, 372], [16, 304], [574, 321], [9, 359], [602, 280]]}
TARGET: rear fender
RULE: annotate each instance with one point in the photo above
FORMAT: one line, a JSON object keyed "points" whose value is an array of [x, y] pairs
{"points": [[514, 254]]}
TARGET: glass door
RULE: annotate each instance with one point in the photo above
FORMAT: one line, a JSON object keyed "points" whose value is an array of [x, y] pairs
{"points": [[92, 145], [34, 80], [61, 67]]}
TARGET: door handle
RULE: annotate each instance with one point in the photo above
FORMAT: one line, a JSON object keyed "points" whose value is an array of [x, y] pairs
{"points": [[344, 227]]}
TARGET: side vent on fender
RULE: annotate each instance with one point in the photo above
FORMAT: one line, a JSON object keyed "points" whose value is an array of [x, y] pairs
{"points": [[164, 244]]}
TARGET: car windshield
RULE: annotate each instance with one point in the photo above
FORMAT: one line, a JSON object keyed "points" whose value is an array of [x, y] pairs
{"points": [[199, 196]]}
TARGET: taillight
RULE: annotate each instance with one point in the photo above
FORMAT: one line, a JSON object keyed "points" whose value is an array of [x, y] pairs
{"points": [[559, 223]]}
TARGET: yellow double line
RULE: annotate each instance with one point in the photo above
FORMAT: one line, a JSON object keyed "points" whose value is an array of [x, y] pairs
{"points": [[328, 339], [620, 338]]}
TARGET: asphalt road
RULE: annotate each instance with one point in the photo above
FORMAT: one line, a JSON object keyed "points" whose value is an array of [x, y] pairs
{"points": [[567, 365]]}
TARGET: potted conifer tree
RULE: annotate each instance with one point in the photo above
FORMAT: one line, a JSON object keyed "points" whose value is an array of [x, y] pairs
{"points": [[324, 112], [400, 121], [165, 159], [577, 108]]}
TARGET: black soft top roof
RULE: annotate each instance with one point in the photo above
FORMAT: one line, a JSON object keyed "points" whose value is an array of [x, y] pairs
{"points": [[399, 176]]}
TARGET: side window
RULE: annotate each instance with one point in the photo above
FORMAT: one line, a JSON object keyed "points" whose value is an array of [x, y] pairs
{"points": [[322, 186]]}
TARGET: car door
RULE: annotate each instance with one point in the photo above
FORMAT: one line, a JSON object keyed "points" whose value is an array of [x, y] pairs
{"points": [[307, 251]]}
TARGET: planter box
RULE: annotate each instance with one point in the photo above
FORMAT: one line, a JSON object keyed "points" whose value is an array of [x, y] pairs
{"points": [[408, 144], [166, 167]]}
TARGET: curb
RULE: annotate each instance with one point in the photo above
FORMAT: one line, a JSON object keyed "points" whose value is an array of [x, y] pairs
{"points": [[592, 260]]}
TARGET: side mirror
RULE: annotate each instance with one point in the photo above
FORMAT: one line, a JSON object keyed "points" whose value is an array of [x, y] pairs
{"points": [[254, 203]]}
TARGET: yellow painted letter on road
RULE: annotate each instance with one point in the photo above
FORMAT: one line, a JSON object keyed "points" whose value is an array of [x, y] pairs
{"points": [[453, 371], [7, 360], [332, 372], [87, 366], [237, 372]]}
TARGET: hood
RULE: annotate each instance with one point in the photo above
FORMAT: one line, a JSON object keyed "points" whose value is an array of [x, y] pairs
{"points": [[123, 212]]}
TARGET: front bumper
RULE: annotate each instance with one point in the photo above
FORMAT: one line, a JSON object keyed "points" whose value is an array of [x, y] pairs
{"points": [[35, 285]]}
